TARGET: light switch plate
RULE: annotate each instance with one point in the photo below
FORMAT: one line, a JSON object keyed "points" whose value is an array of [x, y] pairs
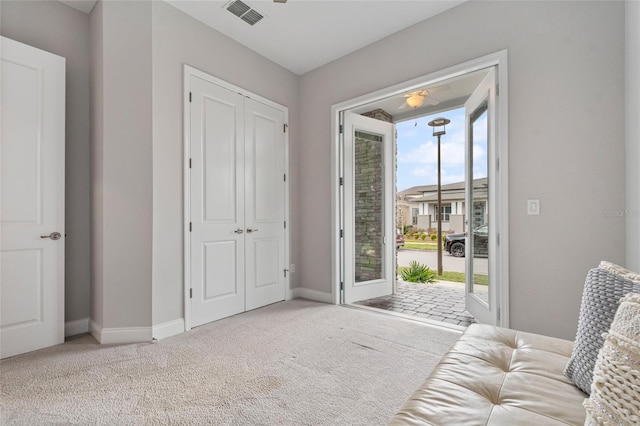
{"points": [[533, 207]]}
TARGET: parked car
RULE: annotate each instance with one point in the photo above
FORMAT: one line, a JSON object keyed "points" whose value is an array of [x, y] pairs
{"points": [[454, 243], [399, 239]]}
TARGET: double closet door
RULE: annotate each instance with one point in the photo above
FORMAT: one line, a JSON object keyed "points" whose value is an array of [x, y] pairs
{"points": [[237, 202]]}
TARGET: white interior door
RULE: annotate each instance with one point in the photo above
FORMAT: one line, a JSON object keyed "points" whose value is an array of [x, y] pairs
{"points": [[481, 227], [217, 202], [264, 209], [31, 199], [237, 202], [369, 235]]}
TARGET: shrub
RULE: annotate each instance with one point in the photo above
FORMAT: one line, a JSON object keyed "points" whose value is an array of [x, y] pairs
{"points": [[416, 235], [407, 229], [423, 237], [418, 273], [433, 237]]}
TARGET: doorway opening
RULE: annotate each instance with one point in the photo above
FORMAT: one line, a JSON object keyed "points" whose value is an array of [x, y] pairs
{"points": [[388, 207]]}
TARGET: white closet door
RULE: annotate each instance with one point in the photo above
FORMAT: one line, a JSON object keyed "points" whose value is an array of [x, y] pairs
{"points": [[32, 199], [217, 202], [237, 202], [264, 208]]}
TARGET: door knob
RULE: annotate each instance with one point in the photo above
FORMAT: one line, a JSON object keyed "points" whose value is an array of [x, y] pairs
{"points": [[239, 231], [249, 230], [53, 236]]}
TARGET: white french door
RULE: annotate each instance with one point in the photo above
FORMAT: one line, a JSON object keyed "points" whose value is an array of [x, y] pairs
{"points": [[237, 202], [31, 199], [481, 293], [368, 228]]}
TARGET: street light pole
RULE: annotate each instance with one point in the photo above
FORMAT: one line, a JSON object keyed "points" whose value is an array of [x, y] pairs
{"points": [[439, 122]]}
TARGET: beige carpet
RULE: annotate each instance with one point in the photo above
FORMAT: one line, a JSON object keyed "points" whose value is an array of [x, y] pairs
{"points": [[292, 363]]}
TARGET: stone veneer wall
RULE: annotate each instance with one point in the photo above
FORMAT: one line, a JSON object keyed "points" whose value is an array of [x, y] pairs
{"points": [[369, 203]]}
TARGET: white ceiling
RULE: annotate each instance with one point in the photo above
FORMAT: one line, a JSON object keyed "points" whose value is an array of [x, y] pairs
{"points": [[305, 34], [301, 35]]}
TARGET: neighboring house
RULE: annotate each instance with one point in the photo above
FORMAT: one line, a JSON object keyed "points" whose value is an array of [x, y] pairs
{"points": [[418, 205]]}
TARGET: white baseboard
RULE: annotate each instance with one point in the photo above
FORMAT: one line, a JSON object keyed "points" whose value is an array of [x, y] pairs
{"points": [[73, 328], [108, 336], [168, 329], [318, 296]]}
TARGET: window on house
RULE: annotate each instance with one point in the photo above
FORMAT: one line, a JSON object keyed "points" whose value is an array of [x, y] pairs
{"points": [[414, 216], [446, 213]]}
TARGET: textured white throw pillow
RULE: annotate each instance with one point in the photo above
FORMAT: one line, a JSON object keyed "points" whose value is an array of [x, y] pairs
{"points": [[615, 392], [619, 270], [603, 289]]}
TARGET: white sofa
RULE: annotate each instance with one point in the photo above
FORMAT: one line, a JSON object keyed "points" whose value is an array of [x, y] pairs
{"points": [[498, 376]]}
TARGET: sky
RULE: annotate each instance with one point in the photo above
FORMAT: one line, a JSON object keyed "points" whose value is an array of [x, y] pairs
{"points": [[418, 150]]}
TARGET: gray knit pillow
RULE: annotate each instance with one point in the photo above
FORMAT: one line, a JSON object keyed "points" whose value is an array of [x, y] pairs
{"points": [[603, 290]]}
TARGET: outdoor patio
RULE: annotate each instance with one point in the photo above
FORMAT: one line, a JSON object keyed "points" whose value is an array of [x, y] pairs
{"points": [[443, 301]]}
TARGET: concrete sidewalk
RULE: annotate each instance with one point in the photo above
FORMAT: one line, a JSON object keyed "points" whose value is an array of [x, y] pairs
{"points": [[443, 301]]}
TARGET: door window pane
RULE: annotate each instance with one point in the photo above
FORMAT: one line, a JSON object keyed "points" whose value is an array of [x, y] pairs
{"points": [[479, 232], [369, 207]]}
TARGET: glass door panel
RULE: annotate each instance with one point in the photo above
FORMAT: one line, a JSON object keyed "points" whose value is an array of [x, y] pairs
{"points": [[479, 235], [369, 232]]}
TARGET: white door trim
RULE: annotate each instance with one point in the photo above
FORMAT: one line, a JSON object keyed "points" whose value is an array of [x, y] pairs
{"points": [[188, 72], [500, 59]]}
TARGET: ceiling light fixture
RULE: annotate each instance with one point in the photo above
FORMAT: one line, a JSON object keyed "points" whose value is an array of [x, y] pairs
{"points": [[279, 1], [416, 99]]}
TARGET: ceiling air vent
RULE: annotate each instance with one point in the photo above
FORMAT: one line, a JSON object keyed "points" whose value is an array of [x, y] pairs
{"points": [[245, 12]]}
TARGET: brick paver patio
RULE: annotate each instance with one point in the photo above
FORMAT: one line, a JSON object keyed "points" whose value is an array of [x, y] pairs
{"points": [[442, 302]]}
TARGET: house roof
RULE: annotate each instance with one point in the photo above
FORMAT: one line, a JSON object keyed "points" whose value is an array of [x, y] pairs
{"points": [[416, 191]]}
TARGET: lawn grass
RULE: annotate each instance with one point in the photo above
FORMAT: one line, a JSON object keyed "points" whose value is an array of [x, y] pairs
{"points": [[421, 245], [456, 277]]}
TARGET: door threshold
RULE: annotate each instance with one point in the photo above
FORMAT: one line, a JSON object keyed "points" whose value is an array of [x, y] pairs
{"points": [[439, 324]]}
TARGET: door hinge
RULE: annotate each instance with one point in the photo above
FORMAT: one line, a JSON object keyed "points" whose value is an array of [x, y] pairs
{"points": [[285, 224], [284, 127], [190, 226], [190, 293], [499, 316], [189, 96], [341, 233], [497, 89], [498, 239], [341, 181], [341, 285], [497, 164], [341, 129], [285, 177], [189, 162], [285, 273]]}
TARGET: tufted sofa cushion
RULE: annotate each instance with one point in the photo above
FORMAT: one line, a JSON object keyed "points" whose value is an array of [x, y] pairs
{"points": [[498, 376]]}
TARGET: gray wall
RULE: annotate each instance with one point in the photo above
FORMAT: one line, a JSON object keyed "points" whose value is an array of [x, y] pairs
{"points": [[632, 156], [122, 159], [179, 39], [59, 29], [566, 78]]}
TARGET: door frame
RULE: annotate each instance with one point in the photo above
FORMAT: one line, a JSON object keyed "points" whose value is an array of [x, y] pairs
{"points": [[499, 59], [188, 72]]}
